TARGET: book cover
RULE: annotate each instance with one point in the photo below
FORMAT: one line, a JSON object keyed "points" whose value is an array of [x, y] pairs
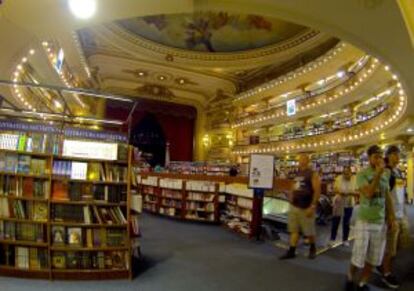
{"points": [[94, 170], [2, 161], [58, 235], [60, 190], [28, 187], [40, 211], [59, 260], [72, 260], [75, 236], [22, 258], [11, 163]]}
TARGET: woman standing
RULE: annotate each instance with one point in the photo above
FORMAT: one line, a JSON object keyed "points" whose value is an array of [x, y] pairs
{"points": [[343, 203]]}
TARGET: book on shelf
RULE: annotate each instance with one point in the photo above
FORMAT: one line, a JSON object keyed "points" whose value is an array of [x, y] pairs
{"points": [[74, 236], [59, 260], [79, 170], [22, 258], [22, 231], [58, 235], [29, 142], [27, 210], [11, 161], [23, 164], [90, 260], [4, 207], [60, 190], [67, 213]]}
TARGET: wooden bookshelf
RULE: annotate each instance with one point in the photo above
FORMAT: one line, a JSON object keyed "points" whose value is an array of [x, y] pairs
{"points": [[27, 198], [182, 211], [86, 249], [79, 159], [24, 243], [91, 225], [85, 202], [24, 175], [23, 220], [50, 224]]}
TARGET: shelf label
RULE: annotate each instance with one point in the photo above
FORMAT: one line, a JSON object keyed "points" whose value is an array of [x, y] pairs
{"points": [[90, 150]]}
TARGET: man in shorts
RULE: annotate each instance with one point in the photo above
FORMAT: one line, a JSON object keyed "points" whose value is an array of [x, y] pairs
{"points": [[394, 236], [303, 202], [374, 214]]}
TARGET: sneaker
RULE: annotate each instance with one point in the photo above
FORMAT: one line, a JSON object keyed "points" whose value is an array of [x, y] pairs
{"points": [[379, 270], [349, 285], [287, 256], [390, 281], [312, 254], [363, 288], [346, 244], [331, 243]]}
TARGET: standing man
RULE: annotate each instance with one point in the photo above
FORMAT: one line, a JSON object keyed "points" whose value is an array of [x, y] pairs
{"points": [[345, 189], [303, 202], [397, 190], [371, 227]]}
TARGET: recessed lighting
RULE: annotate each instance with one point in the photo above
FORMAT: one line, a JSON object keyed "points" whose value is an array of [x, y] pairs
{"points": [[82, 9], [410, 129], [32, 51], [24, 60]]}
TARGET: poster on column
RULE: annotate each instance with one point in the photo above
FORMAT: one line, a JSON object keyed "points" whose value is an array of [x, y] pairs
{"points": [[261, 171]]}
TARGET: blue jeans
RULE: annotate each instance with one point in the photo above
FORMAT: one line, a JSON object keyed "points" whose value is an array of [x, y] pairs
{"points": [[345, 224]]}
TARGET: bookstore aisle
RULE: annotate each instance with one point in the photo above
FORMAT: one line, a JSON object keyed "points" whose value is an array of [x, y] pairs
{"points": [[191, 256]]}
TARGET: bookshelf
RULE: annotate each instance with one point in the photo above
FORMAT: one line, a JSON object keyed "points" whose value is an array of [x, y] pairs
{"points": [[195, 200], [62, 216]]}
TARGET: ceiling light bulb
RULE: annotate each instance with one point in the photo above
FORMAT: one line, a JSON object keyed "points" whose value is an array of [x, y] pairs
{"points": [[82, 9], [340, 74], [24, 60], [32, 51]]}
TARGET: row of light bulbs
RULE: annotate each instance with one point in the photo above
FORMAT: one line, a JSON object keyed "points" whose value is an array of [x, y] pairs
{"points": [[51, 55], [333, 141], [15, 77], [80, 52], [356, 83], [294, 74]]}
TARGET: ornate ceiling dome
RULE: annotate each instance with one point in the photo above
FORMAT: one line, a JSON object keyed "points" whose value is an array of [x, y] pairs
{"points": [[212, 31]]}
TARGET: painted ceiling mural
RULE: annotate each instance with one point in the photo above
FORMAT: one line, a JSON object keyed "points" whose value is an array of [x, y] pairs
{"points": [[212, 31]]}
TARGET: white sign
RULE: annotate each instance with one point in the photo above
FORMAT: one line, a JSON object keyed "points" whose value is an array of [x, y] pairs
{"points": [[261, 171], [59, 60], [90, 150], [291, 107], [79, 170]]}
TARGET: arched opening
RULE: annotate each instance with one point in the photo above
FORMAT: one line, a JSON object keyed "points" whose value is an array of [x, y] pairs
{"points": [[149, 137]]}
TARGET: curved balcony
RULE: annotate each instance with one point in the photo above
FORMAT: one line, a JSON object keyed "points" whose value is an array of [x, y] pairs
{"points": [[306, 105], [354, 135]]}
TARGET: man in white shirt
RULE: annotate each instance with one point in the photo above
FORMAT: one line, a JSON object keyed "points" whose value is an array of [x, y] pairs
{"points": [[343, 203]]}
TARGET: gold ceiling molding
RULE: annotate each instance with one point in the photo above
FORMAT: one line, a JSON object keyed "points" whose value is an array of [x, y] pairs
{"points": [[284, 46], [157, 91]]}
